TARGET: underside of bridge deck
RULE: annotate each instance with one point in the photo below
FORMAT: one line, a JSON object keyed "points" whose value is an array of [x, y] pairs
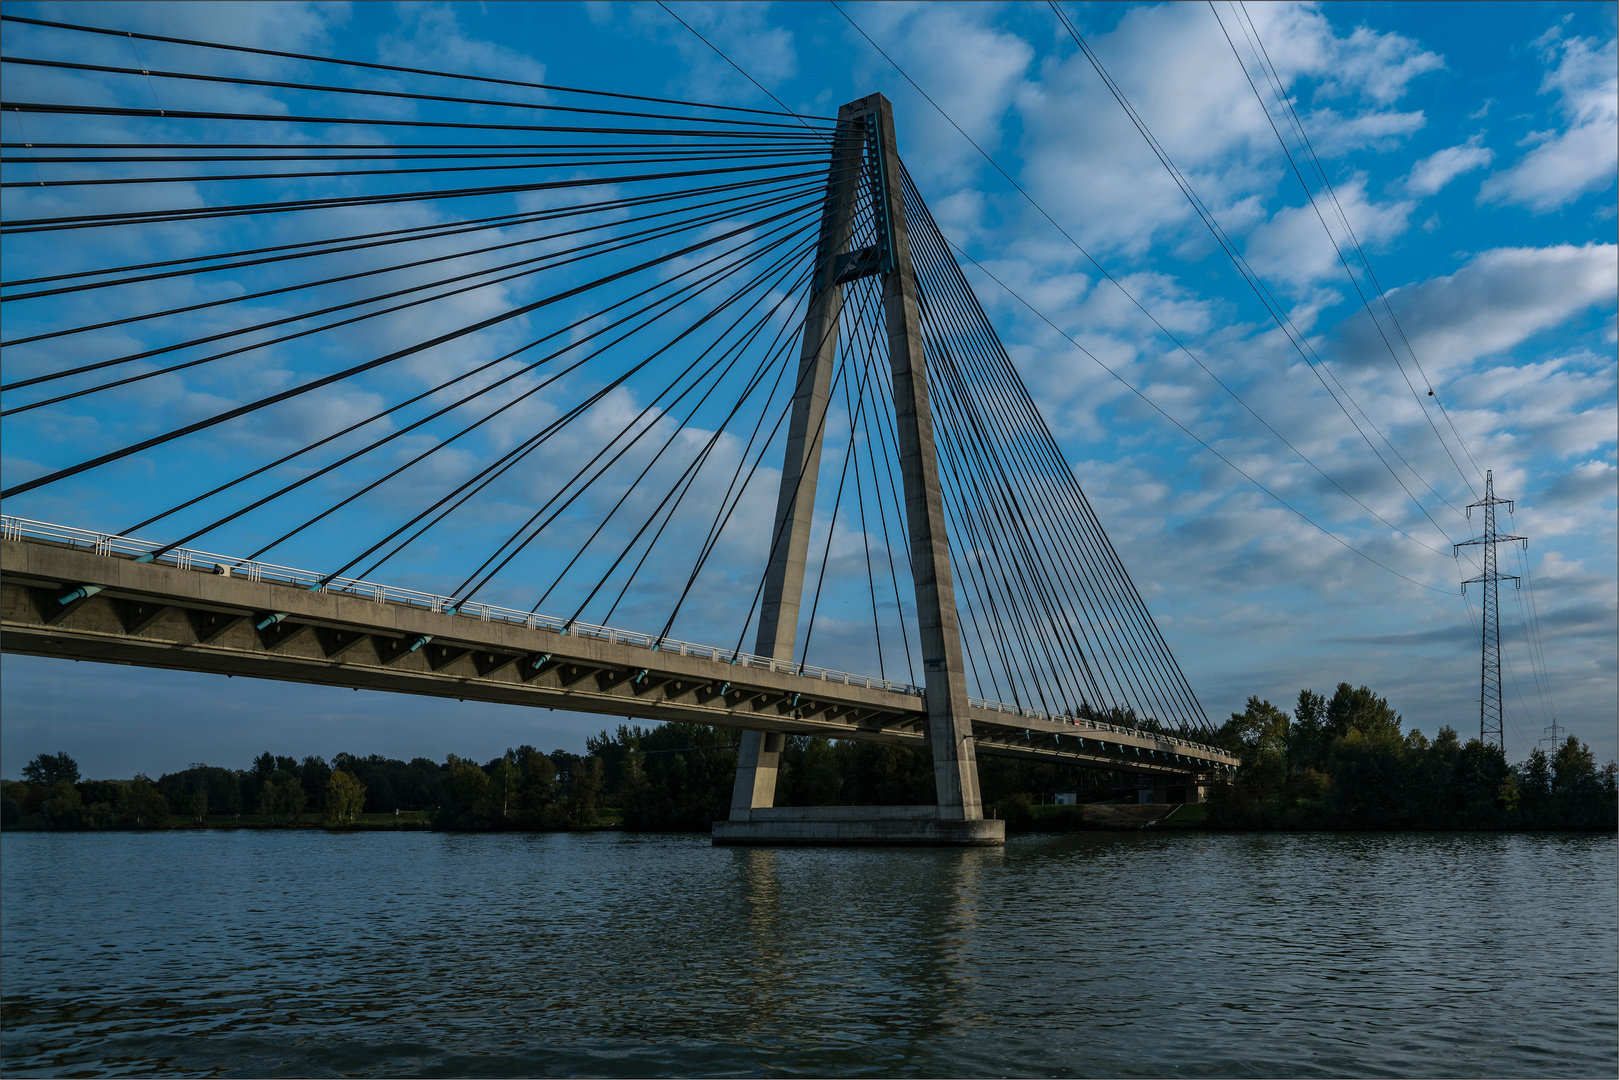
{"points": [[154, 615]]}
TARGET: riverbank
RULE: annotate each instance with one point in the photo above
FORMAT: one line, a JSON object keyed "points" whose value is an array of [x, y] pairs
{"points": [[400, 821], [404, 821], [1022, 820]]}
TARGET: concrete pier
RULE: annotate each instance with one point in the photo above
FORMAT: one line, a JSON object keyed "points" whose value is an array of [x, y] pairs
{"points": [[855, 826]]}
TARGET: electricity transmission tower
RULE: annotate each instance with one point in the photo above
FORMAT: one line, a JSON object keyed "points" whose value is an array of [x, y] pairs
{"points": [[1489, 696], [1554, 736]]}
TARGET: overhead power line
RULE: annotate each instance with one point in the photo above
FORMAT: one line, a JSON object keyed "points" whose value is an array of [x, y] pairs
{"points": [[1333, 240], [1273, 307], [1382, 294], [1105, 273]]}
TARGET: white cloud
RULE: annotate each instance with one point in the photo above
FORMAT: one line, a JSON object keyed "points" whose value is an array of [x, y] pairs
{"points": [[1583, 484], [1380, 66], [746, 33], [1503, 296], [1372, 129], [296, 26], [1299, 40], [1436, 170], [430, 37], [1292, 248], [1088, 165], [1583, 156]]}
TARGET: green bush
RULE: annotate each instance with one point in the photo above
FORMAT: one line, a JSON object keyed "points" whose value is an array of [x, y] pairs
{"points": [[344, 798]]}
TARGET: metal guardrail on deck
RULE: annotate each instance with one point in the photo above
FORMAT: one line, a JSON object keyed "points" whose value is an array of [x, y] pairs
{"points": [[107, 544], [1093, 725]]}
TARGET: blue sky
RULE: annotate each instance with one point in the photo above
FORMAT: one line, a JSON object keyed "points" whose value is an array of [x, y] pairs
{"points": [[1471, 147]]}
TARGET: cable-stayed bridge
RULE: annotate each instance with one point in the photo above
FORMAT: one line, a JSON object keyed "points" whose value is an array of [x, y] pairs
{"points": [[568, 348]]}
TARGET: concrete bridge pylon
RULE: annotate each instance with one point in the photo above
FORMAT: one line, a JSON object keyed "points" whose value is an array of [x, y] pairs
{"points": [[865, 165]]}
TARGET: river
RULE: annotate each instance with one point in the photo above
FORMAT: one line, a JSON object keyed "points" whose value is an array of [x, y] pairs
{"points": [[306, 953]]}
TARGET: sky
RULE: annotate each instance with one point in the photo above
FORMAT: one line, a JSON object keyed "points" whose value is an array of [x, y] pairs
{"points": [[1471, 148]]}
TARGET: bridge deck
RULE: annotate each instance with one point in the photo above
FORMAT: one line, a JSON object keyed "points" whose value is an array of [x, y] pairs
{"points": [[157, 614]]}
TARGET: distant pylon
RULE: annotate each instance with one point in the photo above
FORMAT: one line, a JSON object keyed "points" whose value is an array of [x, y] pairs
{"points": [[1489, 695], [1554, 736]]}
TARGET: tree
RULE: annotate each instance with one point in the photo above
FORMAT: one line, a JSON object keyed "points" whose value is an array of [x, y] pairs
{"points": [[1507, 794], [1537, 775], [877, 774], [1573, 767], [819, 783], [313, 774], [256, 786], [1307, 741], [51, 769], [1476, 790], [632, 773], [142, 806], [1371, 780], [62, 808], [1259, 734], [10, 811], [536, 802], [345, 798], [26, 797], [1359, 710], [466, 802], [585, 785], [505, 784], [1582, 797], [685, 775], [282, 793]]}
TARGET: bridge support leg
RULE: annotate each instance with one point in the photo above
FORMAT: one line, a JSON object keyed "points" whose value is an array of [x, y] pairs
{"points": [[758, 758], [760, 753], [955, 762]]}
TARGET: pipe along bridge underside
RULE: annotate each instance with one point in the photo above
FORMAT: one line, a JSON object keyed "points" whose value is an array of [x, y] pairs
{"points": [[150, 614]]}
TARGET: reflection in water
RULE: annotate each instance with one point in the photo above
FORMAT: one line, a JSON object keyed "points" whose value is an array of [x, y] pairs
{"points": [[912, 914], [288, 954], [761, 942]]}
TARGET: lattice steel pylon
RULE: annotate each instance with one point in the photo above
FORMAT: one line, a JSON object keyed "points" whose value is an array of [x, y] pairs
{"points": [[1489, 695], [1554, 736]]}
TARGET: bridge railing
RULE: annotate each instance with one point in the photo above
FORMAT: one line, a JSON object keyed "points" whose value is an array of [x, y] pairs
{"points": [[1092, 725], [15, 528]]}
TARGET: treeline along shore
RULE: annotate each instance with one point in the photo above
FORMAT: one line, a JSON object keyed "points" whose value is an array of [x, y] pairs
{"points": [[1342, 762]]}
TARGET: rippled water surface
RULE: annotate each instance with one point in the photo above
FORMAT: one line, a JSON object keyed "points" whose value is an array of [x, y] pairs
{"points": [[270, 953]]}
